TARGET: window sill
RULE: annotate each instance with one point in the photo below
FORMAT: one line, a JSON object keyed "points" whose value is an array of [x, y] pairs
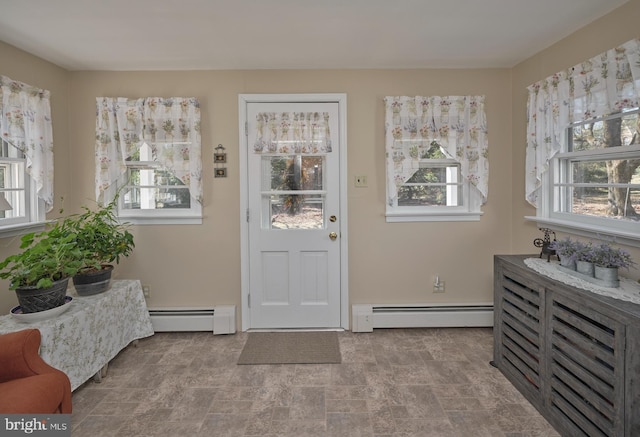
{"points": [[589, 231], [164, 220], [21, 229], [405, 217]]}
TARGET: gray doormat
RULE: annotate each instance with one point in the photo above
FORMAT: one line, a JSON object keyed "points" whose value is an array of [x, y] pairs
{"points": [[291, 348]]}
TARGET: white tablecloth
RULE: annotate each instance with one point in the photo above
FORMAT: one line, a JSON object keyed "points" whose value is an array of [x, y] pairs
{"points": [[92, 331]]}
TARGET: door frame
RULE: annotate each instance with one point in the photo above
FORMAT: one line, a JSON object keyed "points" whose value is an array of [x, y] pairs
{"points": [[341, 100]]}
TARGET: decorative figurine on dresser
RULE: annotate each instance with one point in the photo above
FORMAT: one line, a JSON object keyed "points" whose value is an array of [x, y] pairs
{"points": [[546, 244]]}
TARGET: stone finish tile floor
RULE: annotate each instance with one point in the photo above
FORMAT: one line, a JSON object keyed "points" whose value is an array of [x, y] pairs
{"points": [[393, 382]]}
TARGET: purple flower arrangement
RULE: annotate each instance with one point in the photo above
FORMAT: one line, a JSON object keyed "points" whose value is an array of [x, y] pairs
{"points": [[567, 249], [601, 254], [604, 255]]}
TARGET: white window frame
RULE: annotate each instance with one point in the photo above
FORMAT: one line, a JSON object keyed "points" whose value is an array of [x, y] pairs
{"points": [[413, 125], [469, 210], [548, 215], [34, 217], [169, 216]]}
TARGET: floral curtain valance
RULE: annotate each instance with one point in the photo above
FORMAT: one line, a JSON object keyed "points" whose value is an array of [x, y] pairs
{"points": [[25, 123], [171, 128], [605, 84], [457, 123], [292, 132]]}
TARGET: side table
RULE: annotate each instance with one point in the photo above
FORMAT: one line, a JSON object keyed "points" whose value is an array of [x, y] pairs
{"points": [[82, 340]]}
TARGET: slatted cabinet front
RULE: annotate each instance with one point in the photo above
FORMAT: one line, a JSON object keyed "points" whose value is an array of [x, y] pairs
{"points": [[521, 331], [573, 354], [587, 368]]}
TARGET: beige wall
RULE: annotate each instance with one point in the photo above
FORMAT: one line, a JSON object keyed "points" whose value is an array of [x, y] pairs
{"points": [[200, 265], [388, 262], [610, 31]]}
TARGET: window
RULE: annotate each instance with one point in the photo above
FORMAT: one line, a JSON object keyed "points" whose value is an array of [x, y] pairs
{"points": [[26, 157], [596, 180], [152, 190], [437, 182], [148, 153], [22, 207], [583, 147], [437, 158]]}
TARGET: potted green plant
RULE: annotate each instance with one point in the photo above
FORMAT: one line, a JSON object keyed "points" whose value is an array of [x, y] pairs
{"points": [[103, 240], [40, 273]]}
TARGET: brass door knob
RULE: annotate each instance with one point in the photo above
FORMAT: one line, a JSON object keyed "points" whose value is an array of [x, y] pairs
{"points": [[333, 235]]}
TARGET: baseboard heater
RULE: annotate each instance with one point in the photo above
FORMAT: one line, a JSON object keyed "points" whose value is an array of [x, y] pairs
{"points": [[366, 317], [218, 319]]}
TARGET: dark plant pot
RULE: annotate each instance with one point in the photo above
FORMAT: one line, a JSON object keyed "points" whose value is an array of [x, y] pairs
{"points": [[95, 282], [34, 300]]}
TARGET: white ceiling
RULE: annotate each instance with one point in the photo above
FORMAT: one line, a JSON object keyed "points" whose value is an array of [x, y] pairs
{"points": [[268, 34]]}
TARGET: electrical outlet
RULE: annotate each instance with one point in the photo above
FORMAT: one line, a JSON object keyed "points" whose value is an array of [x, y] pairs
{"points": [[438, 285], [360, 181], [146, 291]]}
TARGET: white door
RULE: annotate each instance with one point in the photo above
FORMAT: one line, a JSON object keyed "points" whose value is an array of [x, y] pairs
{"points": [[294, 217]]}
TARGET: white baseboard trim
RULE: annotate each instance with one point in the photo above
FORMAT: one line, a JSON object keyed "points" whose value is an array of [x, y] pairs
{"points": [[219, 319], [366, 317]]}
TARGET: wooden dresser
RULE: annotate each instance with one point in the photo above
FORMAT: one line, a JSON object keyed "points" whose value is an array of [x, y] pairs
{"points": [[574, 354]]}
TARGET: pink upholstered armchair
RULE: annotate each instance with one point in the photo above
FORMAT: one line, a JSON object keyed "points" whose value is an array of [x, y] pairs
{"points": [[28, 385]]}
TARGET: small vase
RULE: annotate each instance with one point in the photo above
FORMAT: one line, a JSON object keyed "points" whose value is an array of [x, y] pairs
{"points": [[608, 275], [585, 267], [568, 263]]}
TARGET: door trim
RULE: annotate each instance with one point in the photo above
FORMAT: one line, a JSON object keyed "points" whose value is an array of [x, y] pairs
{"points": [[243, 100]]}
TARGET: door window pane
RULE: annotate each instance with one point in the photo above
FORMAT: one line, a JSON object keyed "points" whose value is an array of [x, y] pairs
{"points": [[292, 173], [294, 211], [292, 192]]}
